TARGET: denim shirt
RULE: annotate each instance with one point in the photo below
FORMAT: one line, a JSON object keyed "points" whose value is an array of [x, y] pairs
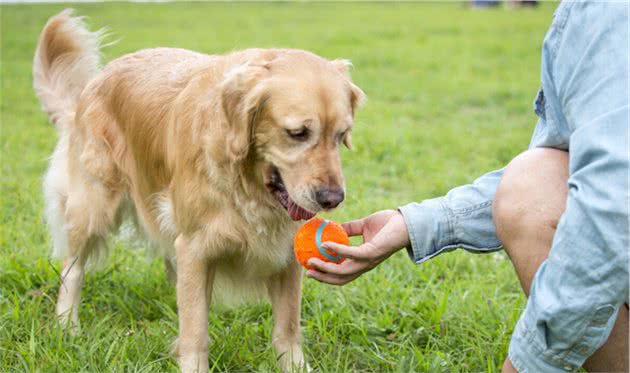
{"points": [[582, 107]]}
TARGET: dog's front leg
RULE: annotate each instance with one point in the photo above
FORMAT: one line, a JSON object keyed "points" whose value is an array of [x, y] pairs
{"points": [[70, 292], [195, 274], [285, 293]]}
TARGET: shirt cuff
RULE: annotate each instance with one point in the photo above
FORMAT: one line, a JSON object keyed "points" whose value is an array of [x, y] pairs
{"points": [[430, 229]]}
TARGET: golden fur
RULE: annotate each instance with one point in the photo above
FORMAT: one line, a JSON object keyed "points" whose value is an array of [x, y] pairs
{"points": [[189, 142]]}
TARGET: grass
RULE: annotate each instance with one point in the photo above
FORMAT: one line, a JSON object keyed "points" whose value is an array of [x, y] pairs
{"points": [[450, 92]]}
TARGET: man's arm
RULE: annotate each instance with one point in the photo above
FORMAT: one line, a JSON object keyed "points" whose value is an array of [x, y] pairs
{"points": [[461, 218]]}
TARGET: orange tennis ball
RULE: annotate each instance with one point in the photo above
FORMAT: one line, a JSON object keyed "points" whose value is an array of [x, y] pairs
{"points": [[310, 236]]}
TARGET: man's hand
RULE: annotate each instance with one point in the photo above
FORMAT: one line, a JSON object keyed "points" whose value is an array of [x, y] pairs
{"points": [[384, 233]]}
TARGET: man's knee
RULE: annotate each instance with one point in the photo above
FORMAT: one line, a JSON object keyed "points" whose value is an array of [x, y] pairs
{"points": [[532, 194]]}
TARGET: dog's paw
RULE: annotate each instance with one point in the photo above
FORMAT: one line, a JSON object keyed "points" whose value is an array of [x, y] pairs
{"points": [[193, 363], [189, 360], [69, 323], [292, 361]]}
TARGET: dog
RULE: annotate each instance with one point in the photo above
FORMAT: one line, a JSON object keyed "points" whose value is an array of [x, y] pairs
{"points": [[216, 157]]}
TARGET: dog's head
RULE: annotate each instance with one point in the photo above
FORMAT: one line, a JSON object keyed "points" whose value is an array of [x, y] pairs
{"points": [[292, 113]]}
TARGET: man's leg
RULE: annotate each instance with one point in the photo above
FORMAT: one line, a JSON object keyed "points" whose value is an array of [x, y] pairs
{"points": [[527, 207]]}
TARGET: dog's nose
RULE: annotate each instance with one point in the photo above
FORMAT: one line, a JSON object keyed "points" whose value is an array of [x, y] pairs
{"points": [[329, 198]]}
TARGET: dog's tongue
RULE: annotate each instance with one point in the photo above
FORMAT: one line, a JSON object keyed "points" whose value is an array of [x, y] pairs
{"points": [[296, 212]]}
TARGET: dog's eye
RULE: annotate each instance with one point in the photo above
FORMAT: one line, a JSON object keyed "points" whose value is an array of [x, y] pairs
{"points": [[300, 134]]}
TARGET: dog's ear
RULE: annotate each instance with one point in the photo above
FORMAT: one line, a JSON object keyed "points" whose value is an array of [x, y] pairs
{"points": [[357, 96], [243, 98]]}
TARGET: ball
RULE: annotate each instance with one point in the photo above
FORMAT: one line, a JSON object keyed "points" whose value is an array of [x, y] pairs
{"points": [[309, 238]]}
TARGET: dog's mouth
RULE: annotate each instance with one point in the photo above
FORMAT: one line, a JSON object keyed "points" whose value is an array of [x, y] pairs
{"points": [[279, 190]]}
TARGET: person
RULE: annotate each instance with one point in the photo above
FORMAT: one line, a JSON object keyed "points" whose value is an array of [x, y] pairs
{"points": [[560, 209], [485, 3]]}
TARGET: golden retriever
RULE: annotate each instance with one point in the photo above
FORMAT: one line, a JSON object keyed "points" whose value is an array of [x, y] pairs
{"points": [[217, 158]]}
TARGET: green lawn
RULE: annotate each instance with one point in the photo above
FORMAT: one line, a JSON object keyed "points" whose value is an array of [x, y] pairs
{"points": [[450, 95]]}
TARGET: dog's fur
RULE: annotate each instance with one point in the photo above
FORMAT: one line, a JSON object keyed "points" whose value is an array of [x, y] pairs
{"points": [[189, 143]]}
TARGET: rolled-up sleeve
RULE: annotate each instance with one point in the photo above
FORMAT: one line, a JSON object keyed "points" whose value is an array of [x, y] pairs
{"points": [[462, 218]]}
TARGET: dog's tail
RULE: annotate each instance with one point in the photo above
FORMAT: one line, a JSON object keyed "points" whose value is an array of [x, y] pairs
{"points": [[66, 59]]}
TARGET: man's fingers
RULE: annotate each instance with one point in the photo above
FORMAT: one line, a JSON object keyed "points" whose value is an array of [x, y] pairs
{"points": [[352, 252], [347, 267], [328, 278], [353, 228]]}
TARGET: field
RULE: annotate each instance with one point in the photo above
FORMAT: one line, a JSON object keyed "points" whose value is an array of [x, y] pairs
{"points": [[450, 94]]}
